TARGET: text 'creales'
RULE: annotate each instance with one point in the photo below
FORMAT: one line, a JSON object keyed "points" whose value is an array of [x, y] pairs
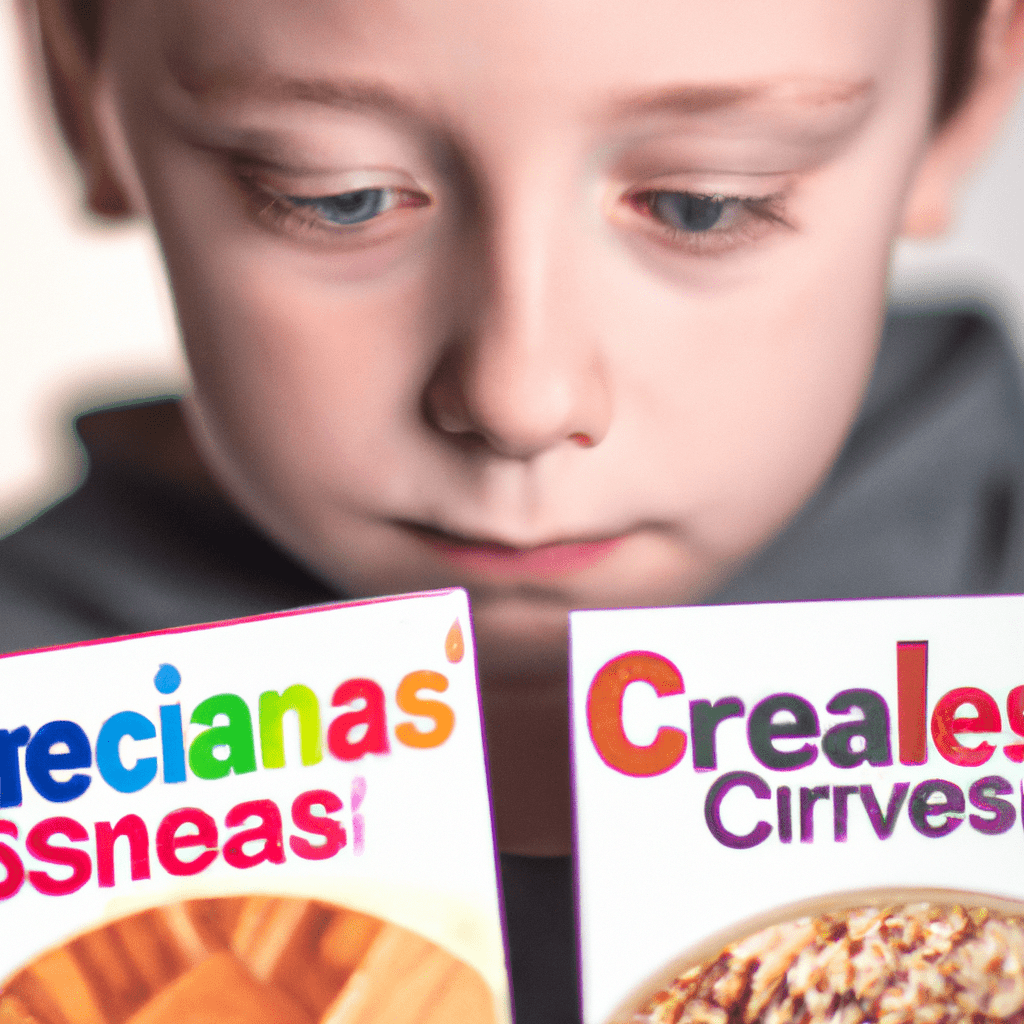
{"points": [[860, 734]]}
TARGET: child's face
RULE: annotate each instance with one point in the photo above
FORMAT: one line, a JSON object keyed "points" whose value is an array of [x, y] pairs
{"points": [[531, 349]]}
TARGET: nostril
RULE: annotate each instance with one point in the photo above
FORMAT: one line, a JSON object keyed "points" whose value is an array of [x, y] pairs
{"points": [[443, 402], [445, 411], [447, 422]]}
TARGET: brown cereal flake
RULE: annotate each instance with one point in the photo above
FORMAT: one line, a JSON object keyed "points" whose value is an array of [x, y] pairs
{"points": [[920, 963]]}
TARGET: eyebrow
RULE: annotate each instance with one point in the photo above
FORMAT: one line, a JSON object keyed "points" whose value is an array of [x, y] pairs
{"points": [[708, 99], [230, 81]]}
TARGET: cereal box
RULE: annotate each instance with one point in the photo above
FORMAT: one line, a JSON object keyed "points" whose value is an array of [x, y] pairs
{"points": [[801, 812], [283, 819]]}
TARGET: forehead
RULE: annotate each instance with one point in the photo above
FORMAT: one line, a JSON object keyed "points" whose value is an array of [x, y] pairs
{"points": [[586, 53]]}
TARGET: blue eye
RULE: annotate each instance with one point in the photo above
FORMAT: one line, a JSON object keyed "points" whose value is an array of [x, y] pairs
{"points": [[686, 211], [348, 207]]}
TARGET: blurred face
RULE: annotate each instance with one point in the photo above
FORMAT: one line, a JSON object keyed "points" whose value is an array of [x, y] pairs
{"points": [[568, 303]]}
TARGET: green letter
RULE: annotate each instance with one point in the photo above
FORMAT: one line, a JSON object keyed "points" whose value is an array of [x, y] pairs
{"points": [[236, 736], [302, 700]]}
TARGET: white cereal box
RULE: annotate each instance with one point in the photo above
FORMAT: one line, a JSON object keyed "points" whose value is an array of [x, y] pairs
{"points": [[278, 819], [801, 812]]}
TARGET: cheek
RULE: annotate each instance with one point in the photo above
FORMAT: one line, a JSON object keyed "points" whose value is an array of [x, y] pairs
{"points": [[299, 378], [793, 407], [304, 359], [745, 396], [819, 334], [798, 348]]}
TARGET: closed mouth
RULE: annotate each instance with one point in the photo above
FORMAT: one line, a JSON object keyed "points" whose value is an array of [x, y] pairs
{"points": [[495, 558]]}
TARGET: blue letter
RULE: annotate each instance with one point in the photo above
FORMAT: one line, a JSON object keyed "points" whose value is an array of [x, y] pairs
{"points": [[173, 740], [40, 761], [108, 753], [10, 769]]}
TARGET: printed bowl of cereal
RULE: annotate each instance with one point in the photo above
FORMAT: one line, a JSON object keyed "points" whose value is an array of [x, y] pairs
{"points": [[247, 960], [927, 956]]}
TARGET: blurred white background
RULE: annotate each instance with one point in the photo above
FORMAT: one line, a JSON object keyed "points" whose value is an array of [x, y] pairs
{"points": [[86, 317]]}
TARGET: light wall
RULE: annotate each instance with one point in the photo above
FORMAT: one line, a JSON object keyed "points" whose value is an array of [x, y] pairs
{"points": [[86, 317]]}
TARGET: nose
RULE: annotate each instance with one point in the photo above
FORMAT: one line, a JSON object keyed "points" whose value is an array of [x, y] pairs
{"points": [[524, 370]]}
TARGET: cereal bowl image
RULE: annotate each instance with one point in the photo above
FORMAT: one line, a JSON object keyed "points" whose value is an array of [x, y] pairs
{"points": [[247, 960], [929, 956]]}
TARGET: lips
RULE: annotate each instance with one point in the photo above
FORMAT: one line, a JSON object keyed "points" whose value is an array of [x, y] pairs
{"points": [[495, 559]]}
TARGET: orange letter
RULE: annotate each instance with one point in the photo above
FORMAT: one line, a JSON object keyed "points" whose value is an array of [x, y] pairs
{"points": [[604, 715], [407, 699]]}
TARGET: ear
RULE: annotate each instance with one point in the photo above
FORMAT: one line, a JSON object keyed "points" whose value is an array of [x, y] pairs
{"points": [[964, 138], [72, 74]]}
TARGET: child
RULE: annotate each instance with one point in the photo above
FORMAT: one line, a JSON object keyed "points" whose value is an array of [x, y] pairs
{"points": [[573, 305]]}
